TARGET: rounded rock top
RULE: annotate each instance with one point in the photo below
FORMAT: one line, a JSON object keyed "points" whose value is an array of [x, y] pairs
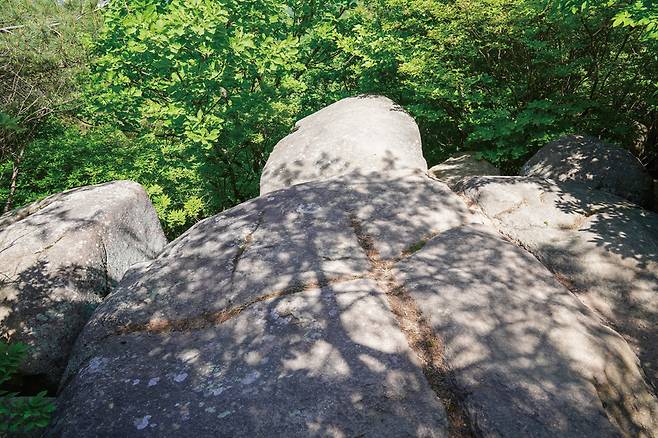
{"points": [[597, 165], [363, 135]]}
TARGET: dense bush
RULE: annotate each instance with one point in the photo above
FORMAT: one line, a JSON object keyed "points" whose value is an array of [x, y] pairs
{"points": [[65, 156], [505, 76], [19, 414], [212, 85], [42, 50], [188, 98]]}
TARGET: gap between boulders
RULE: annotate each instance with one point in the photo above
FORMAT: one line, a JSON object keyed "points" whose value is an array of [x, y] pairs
{"points": [[210, 319], [243, 247], [427, 346]]}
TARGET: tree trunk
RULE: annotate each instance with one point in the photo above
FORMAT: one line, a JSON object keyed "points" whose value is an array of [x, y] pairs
{"points": [[14, 179]]}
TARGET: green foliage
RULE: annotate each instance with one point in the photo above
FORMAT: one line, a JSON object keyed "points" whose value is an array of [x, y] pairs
{"points": [[213, 84], [208, 88], [20, 414], [642, 14], [503, 77], [188, 98], [11, 357], [77, 158], [41, 52], [42, 48]]}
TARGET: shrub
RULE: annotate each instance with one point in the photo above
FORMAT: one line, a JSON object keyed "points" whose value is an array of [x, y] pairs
{"points": [[20, 414]]}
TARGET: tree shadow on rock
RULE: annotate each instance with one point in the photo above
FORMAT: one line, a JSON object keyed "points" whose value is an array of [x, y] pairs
{"points": [[527, 354], [263, 320], [604, 249]]}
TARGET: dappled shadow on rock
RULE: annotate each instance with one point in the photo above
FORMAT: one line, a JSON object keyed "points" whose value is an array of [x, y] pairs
{"points": [[596, 165], [600, 246], [322, 362], [617, 225], [283, 240], [263, 321], [529, 357], [275, 318], [59, 257], [460, 165], [52, 306]]}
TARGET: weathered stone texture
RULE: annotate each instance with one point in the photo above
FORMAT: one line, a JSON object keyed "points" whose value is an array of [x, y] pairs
{"points": [[460, 165], [596, 165], [528, 356], [60, 257], [601, 246], [364, 134], [274, 292]]}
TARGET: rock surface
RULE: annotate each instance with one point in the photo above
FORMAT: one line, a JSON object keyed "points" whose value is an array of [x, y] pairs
{"points": [[603, 247], [530, 359], [268, 317], [462, 165], [59, 257], [366, 304], [324, 361], [600, 166], [364, 134]]}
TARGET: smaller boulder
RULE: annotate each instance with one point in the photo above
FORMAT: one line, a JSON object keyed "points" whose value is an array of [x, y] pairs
{"points": [[460, 165], [601, 246], [59, 257], [596, 164]]}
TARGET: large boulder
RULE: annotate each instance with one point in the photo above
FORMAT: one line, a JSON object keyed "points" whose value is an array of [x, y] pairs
{"points": [[461, 165], [365, 304], [265, 321], [59, 257], [601, 166], [528, 357], [281, 317], [601, 246], [366, 134]]}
